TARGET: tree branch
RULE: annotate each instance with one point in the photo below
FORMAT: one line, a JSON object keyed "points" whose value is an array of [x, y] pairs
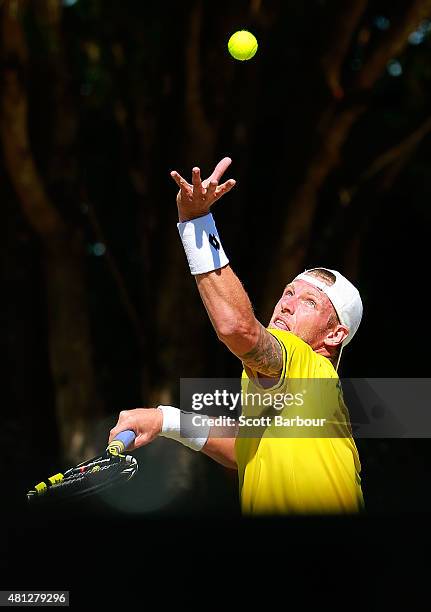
{"points": [[391, 43], [294, 239], [344, 21], [393, 155], [199, 128]]}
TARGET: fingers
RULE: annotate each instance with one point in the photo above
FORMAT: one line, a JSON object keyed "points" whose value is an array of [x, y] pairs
{"points": [[220, 169], [211, 189], [216, 175], [208, 190], [186, 189], [224, 188], [123, 423], [198, 188], [114, 432], [177, 177], [147, 423]]}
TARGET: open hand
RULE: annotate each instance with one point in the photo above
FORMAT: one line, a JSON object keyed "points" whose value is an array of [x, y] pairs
{"points": [[195, 200]]}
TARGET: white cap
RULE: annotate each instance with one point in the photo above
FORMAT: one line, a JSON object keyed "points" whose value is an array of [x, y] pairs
{"points": [[344, 296]]}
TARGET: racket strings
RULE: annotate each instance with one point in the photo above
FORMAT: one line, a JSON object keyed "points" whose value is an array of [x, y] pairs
{"points": [[82, 468], [90, 477]]}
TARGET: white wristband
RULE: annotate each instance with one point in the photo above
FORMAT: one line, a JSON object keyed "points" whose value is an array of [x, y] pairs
{"points": [[173, 427], [202, 244]]}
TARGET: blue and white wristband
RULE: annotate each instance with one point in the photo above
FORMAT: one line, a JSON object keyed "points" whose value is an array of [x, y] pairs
{"points": [[178, 425], [202, 244]]}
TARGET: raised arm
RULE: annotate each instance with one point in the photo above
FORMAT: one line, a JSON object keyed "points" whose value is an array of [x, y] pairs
{"points": [[232, 317], [222, 293]]}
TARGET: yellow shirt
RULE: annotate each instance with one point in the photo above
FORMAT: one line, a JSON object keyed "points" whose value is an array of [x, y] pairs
{"points": [[295, 469]]}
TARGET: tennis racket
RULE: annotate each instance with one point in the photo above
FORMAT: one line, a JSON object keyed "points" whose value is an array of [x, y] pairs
{"points": [[89, 477]]}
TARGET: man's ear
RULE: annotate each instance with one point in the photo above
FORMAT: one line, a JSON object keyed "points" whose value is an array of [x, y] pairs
{"points": [[336, 336]]}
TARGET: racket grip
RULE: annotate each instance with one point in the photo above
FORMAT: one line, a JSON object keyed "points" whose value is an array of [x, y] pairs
{"points": [[121, 441]]}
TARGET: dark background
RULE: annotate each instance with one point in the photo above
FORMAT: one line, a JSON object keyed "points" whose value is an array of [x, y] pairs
{"points": [[328, 129]]}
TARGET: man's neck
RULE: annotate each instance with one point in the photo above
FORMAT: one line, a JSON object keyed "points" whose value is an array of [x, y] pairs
{"points": [[322, 350]]}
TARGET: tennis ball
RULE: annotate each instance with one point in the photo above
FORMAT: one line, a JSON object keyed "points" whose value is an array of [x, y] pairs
{"points": [[242, 45]]}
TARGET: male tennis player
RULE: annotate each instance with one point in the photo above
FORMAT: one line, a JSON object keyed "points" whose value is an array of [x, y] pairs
{"points": [[317, 314]]}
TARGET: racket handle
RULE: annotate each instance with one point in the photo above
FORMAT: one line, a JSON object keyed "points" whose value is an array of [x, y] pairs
{"points": [[121, 441]]}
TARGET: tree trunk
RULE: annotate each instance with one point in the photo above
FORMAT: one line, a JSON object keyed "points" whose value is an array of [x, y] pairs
{"points": [[180, 314], [69, 330], [70, 347]]}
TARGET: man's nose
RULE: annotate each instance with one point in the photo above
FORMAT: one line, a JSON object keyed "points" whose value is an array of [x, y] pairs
{"points": [[288, 304]]}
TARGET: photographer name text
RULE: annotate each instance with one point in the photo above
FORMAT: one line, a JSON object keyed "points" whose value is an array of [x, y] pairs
{"points": [[200, 420]]}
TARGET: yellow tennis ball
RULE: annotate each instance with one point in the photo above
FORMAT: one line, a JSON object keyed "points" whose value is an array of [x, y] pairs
{"points": [[242, 45]]}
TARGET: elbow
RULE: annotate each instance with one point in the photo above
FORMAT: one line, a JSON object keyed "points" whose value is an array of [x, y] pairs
{"points": [[239, 332]]}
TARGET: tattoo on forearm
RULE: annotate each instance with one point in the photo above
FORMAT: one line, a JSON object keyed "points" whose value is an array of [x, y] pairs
{"points": [[266, 357]]}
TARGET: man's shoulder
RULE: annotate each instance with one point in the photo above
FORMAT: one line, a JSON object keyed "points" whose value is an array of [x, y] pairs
{"points": [[289, 340], [298, 349]]}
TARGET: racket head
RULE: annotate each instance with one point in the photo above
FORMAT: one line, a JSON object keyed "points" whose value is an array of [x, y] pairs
{"points": [[110, 469]]}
